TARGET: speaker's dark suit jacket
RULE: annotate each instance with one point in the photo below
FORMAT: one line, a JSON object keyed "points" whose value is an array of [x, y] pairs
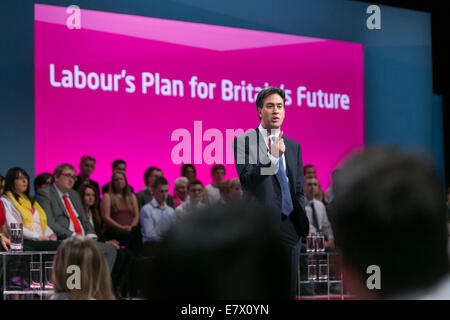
{"points": [[259, 180]]}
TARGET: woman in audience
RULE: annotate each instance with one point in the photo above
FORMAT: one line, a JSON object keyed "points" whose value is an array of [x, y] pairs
{"points": [[230, 190], [90, 201], [122, 271], [180, 193], [120, 213], [19, 208], [94, 282], [235, 192]]}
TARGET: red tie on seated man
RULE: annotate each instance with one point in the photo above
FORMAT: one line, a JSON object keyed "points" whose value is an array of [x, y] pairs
{"points": [[73, 217]]}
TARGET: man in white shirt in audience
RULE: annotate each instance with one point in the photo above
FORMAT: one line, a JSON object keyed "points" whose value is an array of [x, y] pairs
{"points": [[317, 213], [157, 217], [217, 174]]}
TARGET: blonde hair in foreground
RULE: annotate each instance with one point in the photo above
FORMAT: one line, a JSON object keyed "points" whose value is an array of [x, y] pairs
{"points": [[94, 271]]}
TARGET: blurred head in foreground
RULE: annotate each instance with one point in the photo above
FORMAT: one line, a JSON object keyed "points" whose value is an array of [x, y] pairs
{"points": [[94, 282], [222, 252], [389, 211]]}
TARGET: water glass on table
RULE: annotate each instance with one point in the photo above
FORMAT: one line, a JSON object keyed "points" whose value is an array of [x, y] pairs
{"points": [[35, 275], [16, 233], [48, 274], [323, 270], [320, 242], [312, 270]]}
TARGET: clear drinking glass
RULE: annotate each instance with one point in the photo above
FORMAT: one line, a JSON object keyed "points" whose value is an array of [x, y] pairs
{"points": [[16, 232], [320, 243], [323, 270], [312, 271], [48, 275], [310, 243], [35, 275]]}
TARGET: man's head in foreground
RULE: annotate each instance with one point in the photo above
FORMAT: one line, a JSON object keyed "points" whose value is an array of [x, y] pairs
{"points": [[222, 252], [389, 212]]}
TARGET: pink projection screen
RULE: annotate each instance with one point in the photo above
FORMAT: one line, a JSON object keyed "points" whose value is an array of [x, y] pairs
{"points": [[158, 92]]}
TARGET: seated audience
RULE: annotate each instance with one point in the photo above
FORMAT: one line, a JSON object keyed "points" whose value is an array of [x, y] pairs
{"points": [[87, 166], [388, 211], [196, 191], [316, 212], [156, 216], [217, 175], [221, 253], [145, 195], [118, 165], [42, 180], [65, 212], [19, 208], [188, 171], [120, 212], [180, 194], [94, 282]]}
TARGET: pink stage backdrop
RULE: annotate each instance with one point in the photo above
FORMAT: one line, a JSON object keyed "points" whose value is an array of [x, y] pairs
{"points": [[159, 93]]}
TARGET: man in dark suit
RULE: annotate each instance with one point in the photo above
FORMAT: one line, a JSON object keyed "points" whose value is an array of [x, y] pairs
{"points": [[65, 213], [270, 169]]}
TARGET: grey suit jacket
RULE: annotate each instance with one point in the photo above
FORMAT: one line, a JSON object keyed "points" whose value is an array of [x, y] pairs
{"points": [[57, 216]]}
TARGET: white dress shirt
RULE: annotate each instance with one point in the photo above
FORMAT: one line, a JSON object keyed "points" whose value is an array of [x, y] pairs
{"points": [[322, 219], [187, 207], [273, 159], [156, 220], [213, 193]]}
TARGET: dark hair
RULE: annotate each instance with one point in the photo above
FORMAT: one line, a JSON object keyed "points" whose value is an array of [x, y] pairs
{"points": [[307, 167], [185, 166], [264, 93], [159, 181], [220, 253], [116, 163], [41, 179], [87, 158], [94, 208], [149, 172], [195, 182], [11, 175], [388, 211], [217, 167]]}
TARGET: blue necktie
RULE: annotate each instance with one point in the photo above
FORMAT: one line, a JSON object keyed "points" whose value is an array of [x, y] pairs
{"points": [[286, 200]]}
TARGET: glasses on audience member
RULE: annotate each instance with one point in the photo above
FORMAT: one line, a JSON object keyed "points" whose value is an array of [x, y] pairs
{"points": [[68, 175], [21, 178]]}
